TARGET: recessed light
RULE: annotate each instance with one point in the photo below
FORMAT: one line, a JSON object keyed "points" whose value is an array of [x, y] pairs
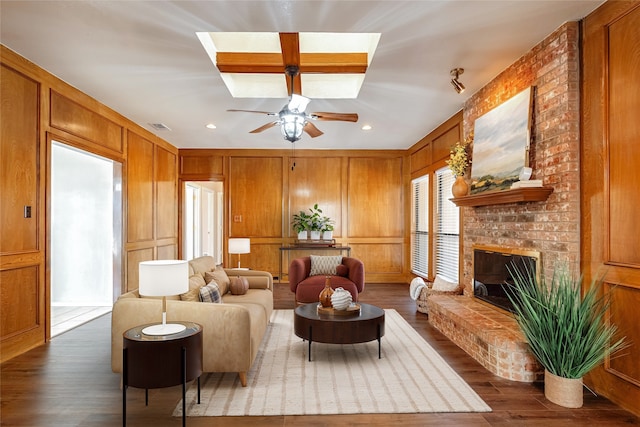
{"points": [[210, 126], [366, 127]]}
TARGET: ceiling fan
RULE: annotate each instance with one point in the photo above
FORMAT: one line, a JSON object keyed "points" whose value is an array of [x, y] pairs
{"points": [[292, 118]]}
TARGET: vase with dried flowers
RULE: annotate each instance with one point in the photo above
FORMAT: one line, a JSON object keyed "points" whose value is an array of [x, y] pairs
{"points": [[458, 163]]}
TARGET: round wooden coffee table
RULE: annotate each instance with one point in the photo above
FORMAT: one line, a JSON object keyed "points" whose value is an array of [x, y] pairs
{"points": [[367, 326]]}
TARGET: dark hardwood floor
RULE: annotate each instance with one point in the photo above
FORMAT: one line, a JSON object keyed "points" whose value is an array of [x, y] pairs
{"points": [[69, 382]]}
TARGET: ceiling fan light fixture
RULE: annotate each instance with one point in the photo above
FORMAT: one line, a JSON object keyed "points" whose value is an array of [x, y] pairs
{"points": [[292, 126], [457, 85]]}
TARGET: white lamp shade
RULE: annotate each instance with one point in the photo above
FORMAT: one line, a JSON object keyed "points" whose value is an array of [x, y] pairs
{"points": [[161, 278], [239, 246]]}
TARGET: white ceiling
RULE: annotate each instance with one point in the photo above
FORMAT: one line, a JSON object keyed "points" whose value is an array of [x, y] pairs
{"points": [[143, 59]]}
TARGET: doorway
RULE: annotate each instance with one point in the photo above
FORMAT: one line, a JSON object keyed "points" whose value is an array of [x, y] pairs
{"points": [[203, 214], [86, 236]]}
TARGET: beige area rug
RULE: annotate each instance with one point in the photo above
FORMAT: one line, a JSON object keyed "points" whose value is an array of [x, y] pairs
{"points": [[411, 377]]}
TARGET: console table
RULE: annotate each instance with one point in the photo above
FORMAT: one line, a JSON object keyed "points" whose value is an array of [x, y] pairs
{"points": [[309, 247]]}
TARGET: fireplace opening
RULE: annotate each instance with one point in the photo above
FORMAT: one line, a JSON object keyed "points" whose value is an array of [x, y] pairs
{"points": [[491, 275]]}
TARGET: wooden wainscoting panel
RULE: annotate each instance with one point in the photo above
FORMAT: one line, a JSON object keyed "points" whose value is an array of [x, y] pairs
{"points": [[624, 130], [375, 190], [625, 301], [19, 284], [22, 310], [443, 143], [379, 258], [421, 158], [609, 203], [140, 161], [74, 118], [263, 257], [324, 176], [167, 194], [19, 151], [167, 252], [134, 258], [255, 196], [204, 163]]}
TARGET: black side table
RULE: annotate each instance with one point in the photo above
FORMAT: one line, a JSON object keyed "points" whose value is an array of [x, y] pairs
{"points": [[147, 361]]}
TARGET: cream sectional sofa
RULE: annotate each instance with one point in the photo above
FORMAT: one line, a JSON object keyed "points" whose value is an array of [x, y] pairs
{"points": [[232, 331]]}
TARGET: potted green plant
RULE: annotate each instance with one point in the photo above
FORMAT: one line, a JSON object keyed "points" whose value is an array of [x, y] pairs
{"points": [[327, 229], [567, 331], [301, 224], [315, 221]]}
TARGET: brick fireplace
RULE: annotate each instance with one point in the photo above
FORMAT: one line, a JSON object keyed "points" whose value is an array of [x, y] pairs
{"points": [[550, 227]]}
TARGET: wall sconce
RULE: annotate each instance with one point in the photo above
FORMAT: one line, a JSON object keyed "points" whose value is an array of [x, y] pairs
{"points": [[455, 73], [239, 246]]}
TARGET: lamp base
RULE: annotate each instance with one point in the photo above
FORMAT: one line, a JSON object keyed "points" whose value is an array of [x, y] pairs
{"points": [[164, 329]]}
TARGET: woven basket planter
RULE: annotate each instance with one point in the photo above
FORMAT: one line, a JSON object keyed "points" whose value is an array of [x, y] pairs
{"points": [[427, 292]]}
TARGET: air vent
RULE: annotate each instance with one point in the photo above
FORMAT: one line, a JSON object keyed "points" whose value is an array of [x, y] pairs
{"points": [[159, 126]]}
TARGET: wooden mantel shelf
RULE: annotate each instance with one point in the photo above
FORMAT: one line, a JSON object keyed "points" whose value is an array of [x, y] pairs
{"points": [[537, 194]]}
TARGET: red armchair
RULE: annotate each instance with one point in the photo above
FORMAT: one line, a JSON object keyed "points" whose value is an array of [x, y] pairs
{"points": [[350, 276]]}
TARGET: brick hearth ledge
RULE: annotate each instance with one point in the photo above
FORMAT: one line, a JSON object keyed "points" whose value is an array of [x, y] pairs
{"points": [[489, 336]]}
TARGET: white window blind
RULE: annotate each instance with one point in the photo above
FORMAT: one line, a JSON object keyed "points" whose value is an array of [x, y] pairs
{"points": [[420, 227], [447, 227]]}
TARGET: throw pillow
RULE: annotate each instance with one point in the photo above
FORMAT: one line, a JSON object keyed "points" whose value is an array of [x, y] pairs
{"points": [[210, 293], [239, 286], [442, 284], [195, 283], [342, 270], [324, 265], [220, 277], [417, 284]]}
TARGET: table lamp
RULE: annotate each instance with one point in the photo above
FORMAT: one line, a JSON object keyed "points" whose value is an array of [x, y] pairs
{"points": [[239, 246], [161, 278]]}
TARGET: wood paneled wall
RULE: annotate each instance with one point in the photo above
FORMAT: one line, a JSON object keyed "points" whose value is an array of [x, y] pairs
{"points": [[365, 192], [610, 171], [38, 108]]}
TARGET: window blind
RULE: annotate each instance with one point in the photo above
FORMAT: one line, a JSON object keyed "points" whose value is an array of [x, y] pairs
{"points": [[447, 227], [420, 227]]}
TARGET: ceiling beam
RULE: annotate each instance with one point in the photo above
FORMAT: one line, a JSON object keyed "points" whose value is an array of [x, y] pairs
{"points": [[331, 63], [290, 45], [276, 63]]}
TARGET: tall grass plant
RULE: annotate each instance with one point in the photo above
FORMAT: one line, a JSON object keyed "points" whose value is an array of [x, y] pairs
{"points": [[567, 332]]}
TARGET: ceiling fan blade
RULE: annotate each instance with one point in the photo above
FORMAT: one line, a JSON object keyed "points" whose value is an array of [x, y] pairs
{"points": [[268, 113], [312, 130], [298, 102], [264, 127], [344, 117]]}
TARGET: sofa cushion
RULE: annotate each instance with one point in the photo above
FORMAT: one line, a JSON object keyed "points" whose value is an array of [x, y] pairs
{"points": [[220, 277], [195, 283], [342, 270], [258, 297], [442, 284], [202, 264], [324, 265], [210, 293]]}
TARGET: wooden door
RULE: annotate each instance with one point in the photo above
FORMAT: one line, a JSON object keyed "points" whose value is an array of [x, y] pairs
{"points": [[609, 184]]}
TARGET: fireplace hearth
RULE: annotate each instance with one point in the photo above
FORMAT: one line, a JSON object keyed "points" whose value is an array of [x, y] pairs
{"points": [[491, 272]]}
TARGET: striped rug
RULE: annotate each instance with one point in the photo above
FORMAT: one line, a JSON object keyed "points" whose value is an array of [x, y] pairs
{"points": [[341, 379]]}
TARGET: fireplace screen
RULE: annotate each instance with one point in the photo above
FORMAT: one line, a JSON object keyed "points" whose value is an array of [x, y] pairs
{"points": [[490, 273]]}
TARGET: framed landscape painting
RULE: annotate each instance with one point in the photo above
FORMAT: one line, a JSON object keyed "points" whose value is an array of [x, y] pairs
{"points": [[501, 144]]}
